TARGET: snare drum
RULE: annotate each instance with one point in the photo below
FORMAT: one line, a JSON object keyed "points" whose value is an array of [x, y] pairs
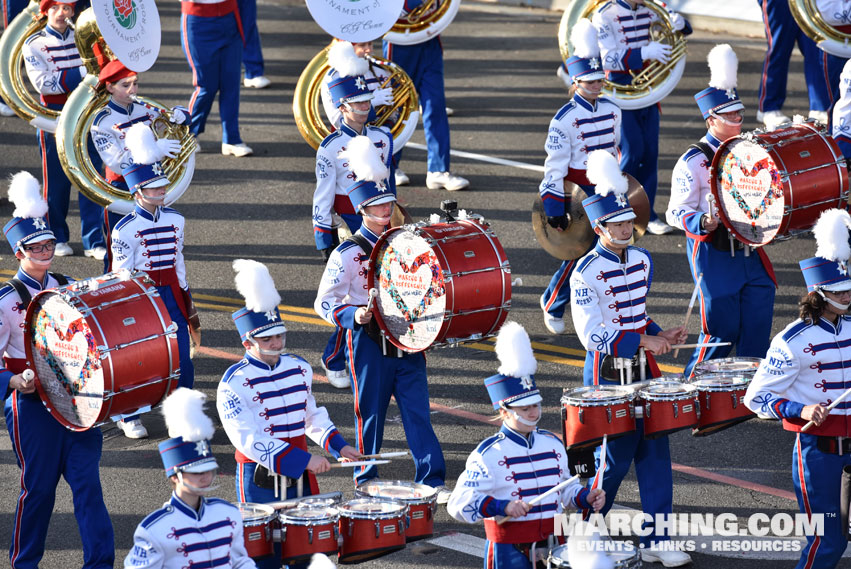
{"points": [[668, 407], [588, 413], [439, 283], [371, 527], [257, 521], [771, 184], [101, 347], [621, 559], [722, 402], [421, 500], [308, 529]]}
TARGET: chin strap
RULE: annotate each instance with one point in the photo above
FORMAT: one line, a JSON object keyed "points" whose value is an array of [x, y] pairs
{"points": [[832, 302], [195, 489], [382, 220], [723, 120], [522, 420], [39, 262], [354, 110], [616, 241], [270, 352]]}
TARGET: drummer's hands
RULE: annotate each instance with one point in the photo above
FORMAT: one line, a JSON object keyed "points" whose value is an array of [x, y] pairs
{"points": [[349, 452], [18, 382], [517, 509], [709, 223], [656, 344], [815, 413], [363, 316], [597, 498], [318, 464], [559, 222], [676, 335]]}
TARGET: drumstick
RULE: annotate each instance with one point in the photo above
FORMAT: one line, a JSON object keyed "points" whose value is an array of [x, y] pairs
{"points": [[358, 463], [603, 453], [691, 305], [557, 488], [838, 400], [699, 345], [28, 375], [383, 455], [373, 292]]}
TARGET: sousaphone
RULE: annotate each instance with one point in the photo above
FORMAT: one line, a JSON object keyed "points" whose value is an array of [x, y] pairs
{"points": [[130, 32], [423, 22], [652, 83], [835, 40]]}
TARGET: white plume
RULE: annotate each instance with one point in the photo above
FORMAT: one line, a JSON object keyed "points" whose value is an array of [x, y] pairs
{"points": [[341, 56], [583, 37], [585, 551], [723, 67], [604, 172], [320, 561], [514, 351], [184, 416], [255, 284], [365, 160], [25, 193], [142, 144], [831, 231]]}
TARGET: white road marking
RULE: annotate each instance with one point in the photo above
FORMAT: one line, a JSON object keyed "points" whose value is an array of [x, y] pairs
{"points": [[484, 158]]}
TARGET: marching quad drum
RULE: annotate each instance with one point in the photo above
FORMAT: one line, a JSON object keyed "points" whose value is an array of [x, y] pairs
{"points": [[668, 407], [773, 184], [421, 501], [308, 528], [620, 559], [257, 528], [101, 348], [371, 527], [439, 283], [588, 413], [721, 385]]}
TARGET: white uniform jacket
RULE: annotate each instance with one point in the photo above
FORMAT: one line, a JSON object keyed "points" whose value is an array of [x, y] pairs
{"points": [[689, 187], [374, 77], [52, 61], [807, 364], [178, 537], [835, 12], [578, 128], [333, 175], [343, 287], [109, 128], [263, 407], [150, 242], [609, 300], [506, 467]]}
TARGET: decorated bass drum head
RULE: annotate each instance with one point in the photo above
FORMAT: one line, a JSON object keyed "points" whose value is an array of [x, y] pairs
{"points": [[355, 20], [131, 29]]}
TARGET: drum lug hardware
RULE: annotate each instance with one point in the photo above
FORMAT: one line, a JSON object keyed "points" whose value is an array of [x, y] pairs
{"points": [[735, 399], [581, 415], [268, 530], [647, 410], [310, 535], [676, 409], [609, 414], [407, 522], [708, 399], [377, 529]]}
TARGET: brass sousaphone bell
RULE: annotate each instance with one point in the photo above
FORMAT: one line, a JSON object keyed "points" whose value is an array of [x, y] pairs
{"points": [[578, 237], [423, 22], [72, 132], [827, 37]]}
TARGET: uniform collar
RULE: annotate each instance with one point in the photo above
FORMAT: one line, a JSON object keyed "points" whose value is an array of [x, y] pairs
{"points": [[373, 238], [260, 363], [829, 327], [31, 282], [346, 129], [118, 108], [626, 6], [584, 103], [713, 142], [518, 438], [56, 33], [145, 214], [183, 507], [606, 253]]}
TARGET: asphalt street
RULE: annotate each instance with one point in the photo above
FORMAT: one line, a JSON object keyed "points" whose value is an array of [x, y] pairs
{"points": [[500, 80]]}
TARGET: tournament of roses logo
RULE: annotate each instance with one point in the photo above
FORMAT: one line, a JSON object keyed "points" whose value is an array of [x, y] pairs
{"points": [[125, 13]]}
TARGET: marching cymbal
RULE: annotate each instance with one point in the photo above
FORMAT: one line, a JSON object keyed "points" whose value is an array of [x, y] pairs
{"points": [[577, 238]]}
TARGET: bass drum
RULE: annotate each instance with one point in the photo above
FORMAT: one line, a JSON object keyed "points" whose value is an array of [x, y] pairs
{"points": [[101, 348], [774, 184]]}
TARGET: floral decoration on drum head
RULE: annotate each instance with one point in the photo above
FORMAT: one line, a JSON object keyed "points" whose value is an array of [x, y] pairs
{"points": [[125, 13], [63, 351], [735, 172], [393, 281]]}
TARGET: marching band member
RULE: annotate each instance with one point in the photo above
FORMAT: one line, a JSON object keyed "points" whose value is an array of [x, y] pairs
{"points": [[737, 288], [55, 69], [821, 70], [803, 371], [377, 371], [110, 125], [423, 62], [212, 37], [44, 449], [252, 52], [351, 96], [841, 125], [623, 29], [608, 305], [266, 403], [520, 462], [588, 122], [150, 239], [190, 530]]}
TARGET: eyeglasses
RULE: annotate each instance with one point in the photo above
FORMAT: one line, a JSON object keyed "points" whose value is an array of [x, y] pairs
{"points": [[49, 246]]}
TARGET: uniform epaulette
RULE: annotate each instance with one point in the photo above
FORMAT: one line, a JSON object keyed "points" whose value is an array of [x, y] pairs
{"points": [[548, 434], [346, 245], [330, 137], [4, 290], [489, 442], [587, 260], [39, 34], [794, 329], [562, 111], [156, 515], [171, 210], [231, 371], [297, 358], [220, 501], [125, 220], [102, 114], [602, 100], [604, 7], [691, 153]]}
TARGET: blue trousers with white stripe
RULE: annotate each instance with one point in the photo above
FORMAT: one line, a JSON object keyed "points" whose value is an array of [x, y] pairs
{"points": [[375, 378], [818, 478], [46, 451], [640, 149], [213, 48], [821, 70], [252, 53]]}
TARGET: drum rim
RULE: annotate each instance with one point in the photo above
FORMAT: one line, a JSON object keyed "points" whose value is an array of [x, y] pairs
{"points": [[699, 370], [689, 392], [634, 555], [270, 513], [362, 515], [411, 501], [625, 396], [331, 517]]}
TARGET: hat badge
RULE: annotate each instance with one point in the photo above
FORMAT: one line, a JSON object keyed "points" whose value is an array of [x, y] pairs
{"points": [[39, 223], [731, 94], [594, 63], [360, 83], [621, 200], [271, 316], [526, 382], [202, 448]]}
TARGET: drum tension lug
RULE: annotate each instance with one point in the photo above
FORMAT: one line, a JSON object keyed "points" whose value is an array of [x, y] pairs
{"points": [[676, 409], [310, 535], [582, 415], [735, 397], [646, 409], [377, 529], [609, 414]]}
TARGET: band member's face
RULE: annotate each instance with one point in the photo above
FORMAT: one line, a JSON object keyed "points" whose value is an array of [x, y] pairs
{"points": [[124, 90], [376, 217], [530, 413], [272, 345], [363, 49], [590, 89], [621, 230], [58, 16], [355, 114], [151, 197], [830, 311], [198, 479], [726, 125], [36, 255]]}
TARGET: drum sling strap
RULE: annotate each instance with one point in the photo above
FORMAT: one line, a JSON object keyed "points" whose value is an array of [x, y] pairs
{"points": [[24, 292], [372, 329]]}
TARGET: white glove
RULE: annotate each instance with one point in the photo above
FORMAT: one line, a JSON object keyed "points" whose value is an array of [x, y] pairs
{"points": [[382, 97], [678, 21], [83, 71], [658, 51], [169, 148], [179, 115]]}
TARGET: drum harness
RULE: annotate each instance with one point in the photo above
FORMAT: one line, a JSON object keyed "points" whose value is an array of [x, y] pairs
{"points": [[24, 292], [722, 239]]}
